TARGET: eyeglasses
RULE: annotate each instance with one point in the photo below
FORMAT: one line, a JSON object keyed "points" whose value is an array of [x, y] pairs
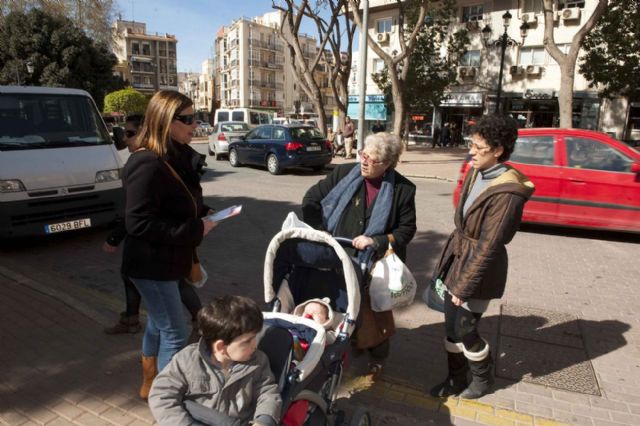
{"points": [[130, 133], [186, 119], [367, 159], [476, 147]]}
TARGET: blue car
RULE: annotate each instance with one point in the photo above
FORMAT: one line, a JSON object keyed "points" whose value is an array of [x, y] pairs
{"points": [[278, 147]]}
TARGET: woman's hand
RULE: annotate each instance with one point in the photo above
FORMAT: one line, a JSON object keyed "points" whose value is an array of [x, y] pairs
{"points": [[456, 301], [208, 226], [361, 242]]}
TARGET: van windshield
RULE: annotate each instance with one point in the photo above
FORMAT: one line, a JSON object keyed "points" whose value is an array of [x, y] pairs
{"points": [[32, 121]]}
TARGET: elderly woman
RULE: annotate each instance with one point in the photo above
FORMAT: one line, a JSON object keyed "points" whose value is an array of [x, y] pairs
{"points": [[473, 264], [164, 224], [374, 205]]}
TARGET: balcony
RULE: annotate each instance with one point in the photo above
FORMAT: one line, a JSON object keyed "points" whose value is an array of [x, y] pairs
{"points": [[265, 103], [264, 84]]}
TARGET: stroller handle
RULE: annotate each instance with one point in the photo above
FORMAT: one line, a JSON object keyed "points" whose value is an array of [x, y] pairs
{"points": [[344, 241], [368, 253]]}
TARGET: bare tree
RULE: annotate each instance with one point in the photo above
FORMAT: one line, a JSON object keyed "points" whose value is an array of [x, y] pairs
{"points": [[328, 30], [397, 63], [567, 61]]}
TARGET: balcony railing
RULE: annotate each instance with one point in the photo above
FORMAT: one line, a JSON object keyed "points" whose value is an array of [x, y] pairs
{"points": [[265, 103], [266, 44]]}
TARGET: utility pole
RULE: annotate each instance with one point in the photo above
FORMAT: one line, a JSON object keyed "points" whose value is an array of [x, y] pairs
{"points": [[362, 74]]}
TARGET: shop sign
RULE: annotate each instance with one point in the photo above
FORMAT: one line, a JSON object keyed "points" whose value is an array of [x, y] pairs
{"points": [[367, 99], [539, 94], [467, 99]]}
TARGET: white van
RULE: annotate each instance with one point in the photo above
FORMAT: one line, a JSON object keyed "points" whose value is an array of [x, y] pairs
{"points": [[253, 117], [59, 168]]}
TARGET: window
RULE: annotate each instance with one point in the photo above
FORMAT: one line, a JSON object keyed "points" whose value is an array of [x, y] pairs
{"points": [[534, 150], [146, 49], [562, 4], [223, 116], [378, 65], [531, 56], [384, 25], [237, 115], [278, 134], [263, 132], [472, 13], [470, 59], [135, 48], [235, 127], [532, 6], [583, 153]]}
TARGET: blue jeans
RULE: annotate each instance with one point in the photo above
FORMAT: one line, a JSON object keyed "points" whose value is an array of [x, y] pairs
{"points": [[166, 331]]}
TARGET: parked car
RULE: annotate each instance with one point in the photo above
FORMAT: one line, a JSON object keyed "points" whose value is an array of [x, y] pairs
{"points": [[281, 147], [224, 133], [583, 179]]}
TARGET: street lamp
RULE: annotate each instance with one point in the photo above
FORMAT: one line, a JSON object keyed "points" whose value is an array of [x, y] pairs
{"points": [[503, 42]]}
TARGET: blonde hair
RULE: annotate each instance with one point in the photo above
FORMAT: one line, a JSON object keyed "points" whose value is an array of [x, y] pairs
{"points": [[156, 129], [387, 147]]}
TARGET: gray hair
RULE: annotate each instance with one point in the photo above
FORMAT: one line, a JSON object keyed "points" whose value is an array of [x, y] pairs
{"points": [[387, 147]]}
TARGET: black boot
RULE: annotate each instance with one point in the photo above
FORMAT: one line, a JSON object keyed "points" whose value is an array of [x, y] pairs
{"points": [[481, 378], [456, 381]]}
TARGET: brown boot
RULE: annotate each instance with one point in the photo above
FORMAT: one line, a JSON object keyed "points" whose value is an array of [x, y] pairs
{"points": [[149, 372], [127, 324]]}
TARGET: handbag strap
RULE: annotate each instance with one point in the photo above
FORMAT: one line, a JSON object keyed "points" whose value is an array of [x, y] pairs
{"points": [[390, 249], [177, 176]]}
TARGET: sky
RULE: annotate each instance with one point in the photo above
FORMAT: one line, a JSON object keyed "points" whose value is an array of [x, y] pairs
{"points": [[194, 22]]}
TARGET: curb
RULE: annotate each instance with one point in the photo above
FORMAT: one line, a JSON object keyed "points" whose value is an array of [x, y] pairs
{"points": [[68, 300]]}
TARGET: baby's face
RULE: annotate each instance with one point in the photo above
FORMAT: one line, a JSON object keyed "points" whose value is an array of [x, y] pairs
{"points": [[316, 311]]}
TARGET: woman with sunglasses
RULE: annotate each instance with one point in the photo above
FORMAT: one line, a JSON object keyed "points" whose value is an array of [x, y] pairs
{"points": [[374, 205], [164, 211], [473, 263]]}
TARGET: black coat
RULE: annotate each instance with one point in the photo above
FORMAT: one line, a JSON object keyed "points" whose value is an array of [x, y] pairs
{"points": [[163, 225], [401, 222]]}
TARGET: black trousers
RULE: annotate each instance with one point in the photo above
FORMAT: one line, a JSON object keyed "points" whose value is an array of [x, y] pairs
{"points": [[462, 325]]}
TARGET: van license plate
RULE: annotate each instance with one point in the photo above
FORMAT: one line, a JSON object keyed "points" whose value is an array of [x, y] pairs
{"points": [[67, 226], [314, 148]]}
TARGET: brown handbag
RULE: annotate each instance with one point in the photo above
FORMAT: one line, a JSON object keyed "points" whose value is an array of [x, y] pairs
{"points": [[197, 275], [375, 328]]}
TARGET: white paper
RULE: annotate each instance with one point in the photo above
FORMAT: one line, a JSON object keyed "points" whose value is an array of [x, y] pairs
{"points": [[225, 214]]}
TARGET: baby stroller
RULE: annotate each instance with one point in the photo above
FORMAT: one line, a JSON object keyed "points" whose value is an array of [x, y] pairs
{"points": [[303, 264]]}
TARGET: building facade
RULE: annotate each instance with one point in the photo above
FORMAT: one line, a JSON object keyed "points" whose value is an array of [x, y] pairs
{"points": [[253, 68], [531, 78], [147, 61]]}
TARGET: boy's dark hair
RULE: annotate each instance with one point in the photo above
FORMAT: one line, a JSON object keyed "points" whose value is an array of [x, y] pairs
{"points": [[135, 119], [498, 130], [228, 317]]}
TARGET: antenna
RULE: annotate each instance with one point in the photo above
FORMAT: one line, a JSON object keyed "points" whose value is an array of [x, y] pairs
{"points": [[133, 16]]}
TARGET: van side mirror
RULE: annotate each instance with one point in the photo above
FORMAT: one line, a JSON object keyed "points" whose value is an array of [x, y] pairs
{"points": [[118, 138], [635, 168]]}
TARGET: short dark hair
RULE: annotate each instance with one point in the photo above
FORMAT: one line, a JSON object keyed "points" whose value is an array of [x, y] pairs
{"points": [[228, 317], [497, 130], [135, 119]]}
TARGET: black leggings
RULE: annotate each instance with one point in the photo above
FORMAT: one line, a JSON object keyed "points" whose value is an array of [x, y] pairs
{"points": [[462, 325], [188, 295]]}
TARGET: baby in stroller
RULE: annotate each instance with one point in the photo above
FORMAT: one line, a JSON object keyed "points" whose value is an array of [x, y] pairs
{"points": [[318, 310]]}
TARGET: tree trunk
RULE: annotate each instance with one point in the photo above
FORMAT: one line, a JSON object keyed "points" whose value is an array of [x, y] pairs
{"points": [[565, 95]]}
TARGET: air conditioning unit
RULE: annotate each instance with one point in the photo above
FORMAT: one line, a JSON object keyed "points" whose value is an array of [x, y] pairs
{"points": [[473, 25], [533, 70], [382, 37], [516, 70], [570, 13], [529, 18], [467, 72]]}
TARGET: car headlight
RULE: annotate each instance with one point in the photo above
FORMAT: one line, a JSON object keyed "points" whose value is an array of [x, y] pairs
{"points": [[107, 175], [11, 185]]}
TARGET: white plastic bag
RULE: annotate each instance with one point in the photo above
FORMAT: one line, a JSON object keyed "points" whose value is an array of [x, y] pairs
{"points": [[292, 221], [392, 284]]}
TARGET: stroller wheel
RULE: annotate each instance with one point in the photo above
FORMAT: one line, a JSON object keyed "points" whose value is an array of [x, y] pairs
{"points": [[360, 418]]}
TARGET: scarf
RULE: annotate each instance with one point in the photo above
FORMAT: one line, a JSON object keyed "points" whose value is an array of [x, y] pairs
{"points": [[336, 201]]}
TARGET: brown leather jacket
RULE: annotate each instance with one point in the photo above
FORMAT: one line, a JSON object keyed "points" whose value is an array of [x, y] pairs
{"points": [[475, 252]]}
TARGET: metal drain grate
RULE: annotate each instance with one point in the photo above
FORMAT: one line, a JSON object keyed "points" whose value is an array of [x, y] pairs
{"points": [[544, 347]]}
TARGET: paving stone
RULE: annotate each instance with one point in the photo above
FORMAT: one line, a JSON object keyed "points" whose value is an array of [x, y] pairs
{"points": [[88, 419], [490, 419], [572, 418], [13, 418]]}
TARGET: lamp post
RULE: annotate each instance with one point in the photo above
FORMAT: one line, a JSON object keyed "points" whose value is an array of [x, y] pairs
{"points": [[502, 43]]}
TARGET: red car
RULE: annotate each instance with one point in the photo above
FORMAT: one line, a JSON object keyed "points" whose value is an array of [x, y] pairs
{"points": [[583, 179]]}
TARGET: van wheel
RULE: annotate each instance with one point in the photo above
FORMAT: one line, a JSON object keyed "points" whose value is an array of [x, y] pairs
{"points": [[233, 158], [273, 165]]}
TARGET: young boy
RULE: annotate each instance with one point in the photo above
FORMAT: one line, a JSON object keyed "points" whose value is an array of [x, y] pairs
{"points": [[222, 379]]}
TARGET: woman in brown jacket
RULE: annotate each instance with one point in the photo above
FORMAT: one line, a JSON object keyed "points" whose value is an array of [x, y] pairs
{"points": [[473, 264]]}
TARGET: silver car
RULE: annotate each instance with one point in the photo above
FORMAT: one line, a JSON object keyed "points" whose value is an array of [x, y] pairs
{"points": [[224, 133]]}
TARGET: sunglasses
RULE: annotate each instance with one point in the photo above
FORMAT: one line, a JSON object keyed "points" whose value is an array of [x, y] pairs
{"points": [[130, 133], [186, 119]]}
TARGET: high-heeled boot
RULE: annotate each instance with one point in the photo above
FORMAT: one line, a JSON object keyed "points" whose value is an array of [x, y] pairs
{"points": [[149, 372]]}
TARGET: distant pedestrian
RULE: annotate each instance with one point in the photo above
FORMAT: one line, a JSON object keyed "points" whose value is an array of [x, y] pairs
{"points": [[435, 141], [348, 132], [473, 263], [378, 127], [446, 135]]}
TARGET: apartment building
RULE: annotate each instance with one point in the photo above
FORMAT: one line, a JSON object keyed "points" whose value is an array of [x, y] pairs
{"points": [[146, 61], [253, 68], [531, 78]]}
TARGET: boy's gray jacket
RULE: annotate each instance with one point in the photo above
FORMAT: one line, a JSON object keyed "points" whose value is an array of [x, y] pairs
{"points": [[250, 390]]}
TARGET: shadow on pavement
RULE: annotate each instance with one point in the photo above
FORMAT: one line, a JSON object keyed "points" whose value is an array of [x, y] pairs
{"points": [[589, 234]]}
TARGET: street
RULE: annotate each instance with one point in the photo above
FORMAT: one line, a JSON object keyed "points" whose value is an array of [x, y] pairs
{"points": [[586, 275]]}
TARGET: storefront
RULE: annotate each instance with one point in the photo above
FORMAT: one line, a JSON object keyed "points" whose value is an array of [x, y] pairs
{"points": [[633, 124], [375, 110], [460, 110]]}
